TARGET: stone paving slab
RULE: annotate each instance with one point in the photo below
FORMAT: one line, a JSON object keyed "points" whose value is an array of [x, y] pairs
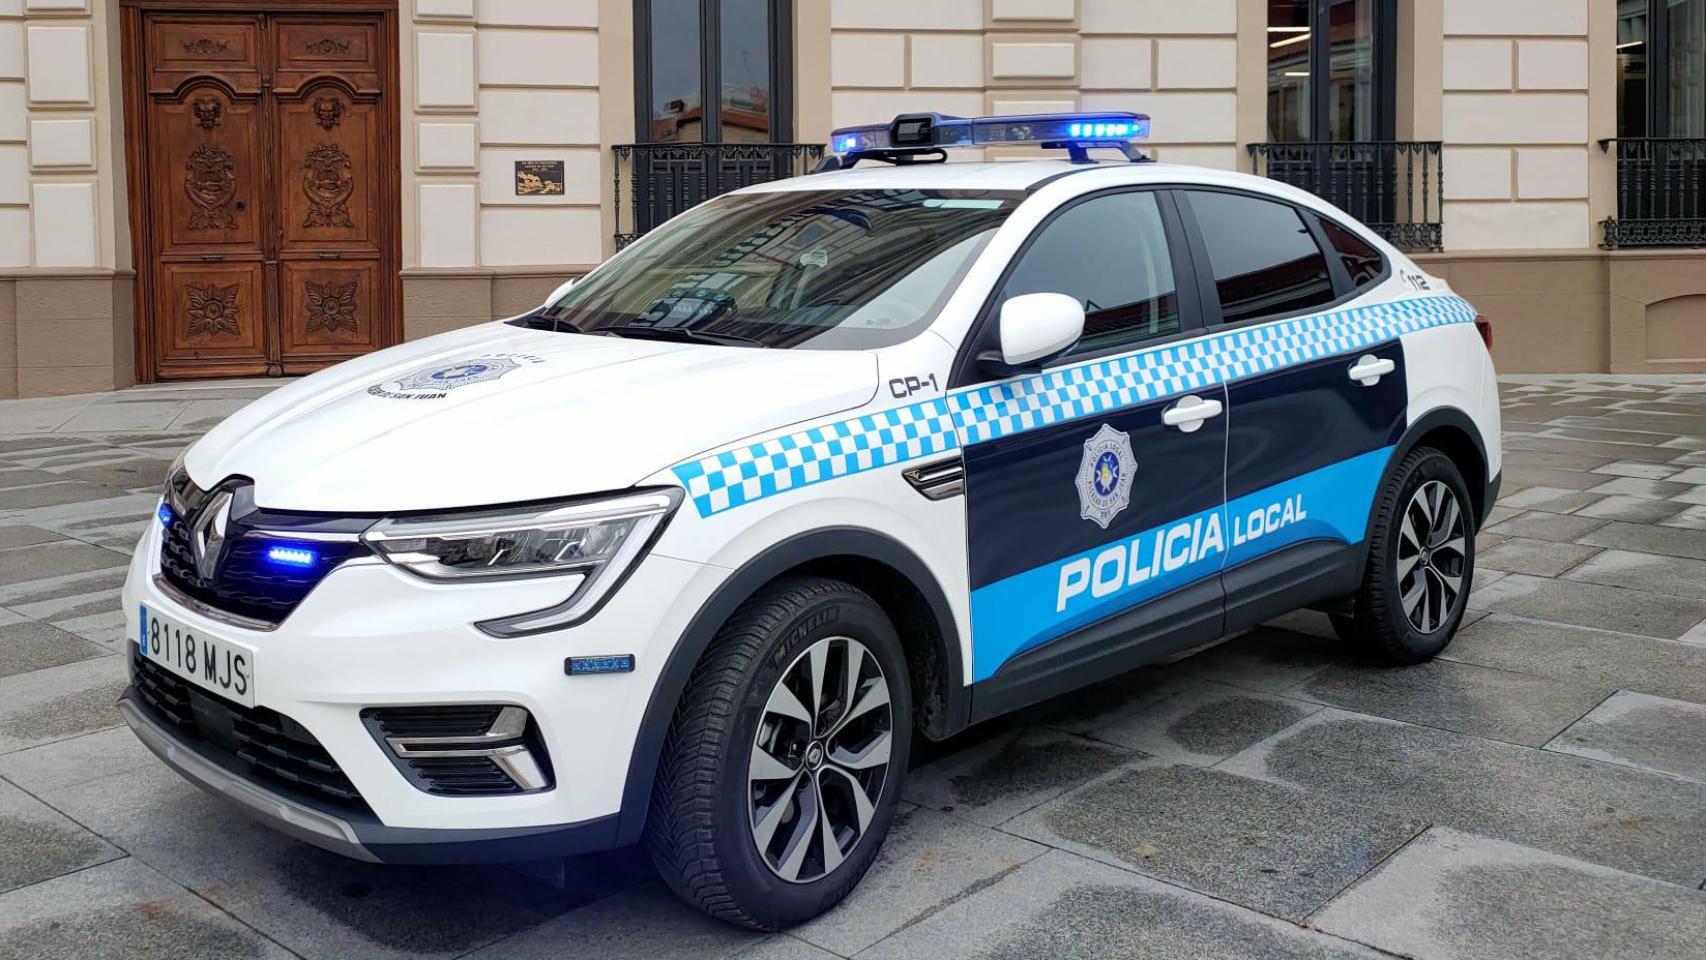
{"points": [[60, 702], [32, 645], [1268, 659], [39, 843], [1453, 896], [1631, 509], [66, 763], [313, 902], [1607, 814], [1675, 576], [929, 859], [1256, 844], [122, 911], [1012, 770], [1496, 704], [642, 923], [22, 564], [1646, 538], [1062, 907], [1540, 558], [1539, 525], [19, 535], [1591, 605], [1586, 657], [1645, 732], [1204, 723]]}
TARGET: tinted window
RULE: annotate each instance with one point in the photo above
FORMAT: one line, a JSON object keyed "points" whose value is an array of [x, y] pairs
{"points": [[1111, 254], [1362, 261], [1264, 258]]}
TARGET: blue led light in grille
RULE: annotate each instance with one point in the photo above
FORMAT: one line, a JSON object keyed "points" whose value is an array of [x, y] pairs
{"points": [[165, 515], [292, 556]]}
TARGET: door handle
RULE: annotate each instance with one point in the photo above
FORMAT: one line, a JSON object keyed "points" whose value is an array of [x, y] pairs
{"points": [[1370, 369], [1189, 413]]}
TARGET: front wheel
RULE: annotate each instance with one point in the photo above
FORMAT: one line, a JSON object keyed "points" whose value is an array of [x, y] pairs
{"points": [[1421, 563], [784, 761]]}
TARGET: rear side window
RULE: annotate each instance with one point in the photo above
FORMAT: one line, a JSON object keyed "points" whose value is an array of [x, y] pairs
{"points": [[1265, 261], [1364, 263], [1110, 253]]}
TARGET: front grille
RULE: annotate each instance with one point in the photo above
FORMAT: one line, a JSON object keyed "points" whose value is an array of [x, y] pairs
{"points": [[460, 775], [276, 749], [246, 582]]}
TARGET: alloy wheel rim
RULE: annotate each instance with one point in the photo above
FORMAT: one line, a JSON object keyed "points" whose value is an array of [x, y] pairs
{"points": [[1432, 557], [819, 759]]}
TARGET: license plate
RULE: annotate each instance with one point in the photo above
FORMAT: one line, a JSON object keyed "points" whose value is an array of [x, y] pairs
{"points": [[211, 663]]}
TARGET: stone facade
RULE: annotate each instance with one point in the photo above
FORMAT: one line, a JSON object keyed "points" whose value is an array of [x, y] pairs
{"points": [[1520, 91]]}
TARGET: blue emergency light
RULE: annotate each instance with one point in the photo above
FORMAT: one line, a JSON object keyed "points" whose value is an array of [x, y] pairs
{"points": [[292, 556], [913, 134]]}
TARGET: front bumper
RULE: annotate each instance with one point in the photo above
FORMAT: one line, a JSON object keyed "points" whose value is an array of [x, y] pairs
{"points": [[351, 834], [373, 636]]}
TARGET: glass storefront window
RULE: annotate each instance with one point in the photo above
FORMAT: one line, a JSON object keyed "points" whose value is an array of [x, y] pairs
{"points": [[745, 45], [1325, 70], [678, 109], [1661, 68], [1686, 78], [1288, 70]]}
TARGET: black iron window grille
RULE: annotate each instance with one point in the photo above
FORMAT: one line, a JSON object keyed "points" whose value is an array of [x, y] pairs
{"points": [[1392, 186], [664, 179], [1661, 192]]}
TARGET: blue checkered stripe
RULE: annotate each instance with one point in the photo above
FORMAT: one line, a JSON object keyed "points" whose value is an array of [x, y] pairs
{"points": [[723, 481], [745, 474], [989, 413]]}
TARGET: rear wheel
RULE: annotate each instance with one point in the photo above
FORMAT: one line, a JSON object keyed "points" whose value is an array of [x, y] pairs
{"points": [[1421, 563], [784, 761]]}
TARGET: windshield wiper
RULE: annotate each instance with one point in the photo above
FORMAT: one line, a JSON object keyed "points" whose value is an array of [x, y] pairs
{"points": [[679, 334], [538, 320]]}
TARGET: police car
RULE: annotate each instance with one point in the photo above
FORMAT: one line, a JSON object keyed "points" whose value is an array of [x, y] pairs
{"points": [[693, 552]]}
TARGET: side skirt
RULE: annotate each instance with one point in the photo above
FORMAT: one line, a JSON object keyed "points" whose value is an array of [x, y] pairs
{"points": [[1301, 575], [1186, 618]]}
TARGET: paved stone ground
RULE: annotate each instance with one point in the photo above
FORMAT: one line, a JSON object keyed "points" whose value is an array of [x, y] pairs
{"points": [[1539, 792]]}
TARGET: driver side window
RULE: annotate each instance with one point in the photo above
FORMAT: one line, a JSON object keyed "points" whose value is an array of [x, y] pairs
{"points": [[1110, 253]]}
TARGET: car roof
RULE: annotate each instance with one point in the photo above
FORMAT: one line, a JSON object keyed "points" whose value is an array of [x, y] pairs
{"points": [[1001, 175]]}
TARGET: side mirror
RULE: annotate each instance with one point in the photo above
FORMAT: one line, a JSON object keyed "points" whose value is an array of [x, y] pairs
{"points": [[557, 294], [1037, 327]]}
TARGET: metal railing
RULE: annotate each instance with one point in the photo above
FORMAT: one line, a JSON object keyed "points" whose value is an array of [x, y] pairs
{"points": [[1393, 186], [663, 179], [1661, 192]]}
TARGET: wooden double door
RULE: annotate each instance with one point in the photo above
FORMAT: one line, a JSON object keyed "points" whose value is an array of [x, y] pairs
{"points": [[269, 191]]}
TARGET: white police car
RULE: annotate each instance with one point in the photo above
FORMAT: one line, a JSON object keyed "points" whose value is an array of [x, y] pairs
{"points": [[696, 549]]}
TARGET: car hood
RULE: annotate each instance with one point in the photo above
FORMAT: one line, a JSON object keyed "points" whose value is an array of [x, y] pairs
{"points": [[500, 414]]}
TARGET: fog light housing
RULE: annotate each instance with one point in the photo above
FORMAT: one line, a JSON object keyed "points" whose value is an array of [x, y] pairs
{"points": [[464, 750]]}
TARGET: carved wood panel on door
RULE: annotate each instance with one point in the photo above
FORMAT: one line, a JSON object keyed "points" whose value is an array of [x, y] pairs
{"points": [[270, 192]]}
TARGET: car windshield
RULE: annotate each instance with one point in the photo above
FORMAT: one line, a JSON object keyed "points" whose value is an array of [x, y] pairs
{"points": [[835, 270]]}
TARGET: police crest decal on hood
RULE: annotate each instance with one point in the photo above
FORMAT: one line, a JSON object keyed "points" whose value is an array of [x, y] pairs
{"points": [[1105, 475], [436, 382]]}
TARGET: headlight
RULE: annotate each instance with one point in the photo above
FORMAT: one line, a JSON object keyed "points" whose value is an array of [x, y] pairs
{"points": [[591, 544]]}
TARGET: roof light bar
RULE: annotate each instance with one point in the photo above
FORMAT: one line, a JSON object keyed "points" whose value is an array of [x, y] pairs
{"points": [[920, 132]]}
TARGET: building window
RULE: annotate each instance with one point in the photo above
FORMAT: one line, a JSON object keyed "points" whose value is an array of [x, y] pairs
{"points": [[1661, 68], [736, 54], [1330, 70]]}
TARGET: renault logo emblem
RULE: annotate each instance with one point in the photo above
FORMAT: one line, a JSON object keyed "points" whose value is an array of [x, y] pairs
{"points": [[207, 534]]}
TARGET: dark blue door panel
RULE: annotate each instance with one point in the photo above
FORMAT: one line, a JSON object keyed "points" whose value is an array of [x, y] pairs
{"points": [[1306, 447], [1040, 570]]}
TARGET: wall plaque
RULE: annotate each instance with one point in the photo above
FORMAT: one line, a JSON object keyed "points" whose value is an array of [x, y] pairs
{"points": [[538, 178]]}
